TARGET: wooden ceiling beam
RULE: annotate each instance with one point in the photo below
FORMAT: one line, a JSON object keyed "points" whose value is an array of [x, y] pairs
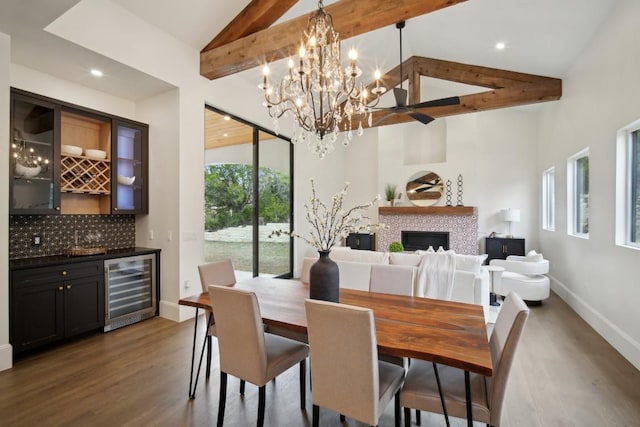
{"points": [[256, 16], [350, 18], [476, 75], [523, 94]]}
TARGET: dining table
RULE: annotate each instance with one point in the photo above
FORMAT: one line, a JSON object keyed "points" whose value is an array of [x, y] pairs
{"points": [[445, 332]]}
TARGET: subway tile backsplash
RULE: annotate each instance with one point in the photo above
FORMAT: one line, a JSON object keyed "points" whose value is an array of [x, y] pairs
{"points": [[58, 232]]}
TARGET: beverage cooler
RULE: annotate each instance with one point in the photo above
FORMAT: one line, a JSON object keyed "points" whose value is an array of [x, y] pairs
{"points": [[130, 290]]}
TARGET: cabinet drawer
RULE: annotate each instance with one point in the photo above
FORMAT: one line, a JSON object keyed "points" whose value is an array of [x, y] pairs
{"points": [[38, 275]]}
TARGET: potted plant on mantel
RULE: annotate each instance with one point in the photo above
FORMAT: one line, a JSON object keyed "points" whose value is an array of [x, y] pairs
{"points": [[390, 193], [328, 225]]}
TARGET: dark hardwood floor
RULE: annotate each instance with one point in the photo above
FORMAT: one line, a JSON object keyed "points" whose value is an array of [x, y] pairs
{"points": [[564, 375]]}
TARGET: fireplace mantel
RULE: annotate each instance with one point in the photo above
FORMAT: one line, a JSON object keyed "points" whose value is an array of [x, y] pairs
{"points": [[426, 210], [461, 222]]}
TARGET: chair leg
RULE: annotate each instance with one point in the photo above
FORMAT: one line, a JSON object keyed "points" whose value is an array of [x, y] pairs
{"points": [[418, 420], [407, 417], [242, 384], [223, 397], [444, 405], [261, 402], [397, 409], [303, 384], [208, 371], [316, 416]]}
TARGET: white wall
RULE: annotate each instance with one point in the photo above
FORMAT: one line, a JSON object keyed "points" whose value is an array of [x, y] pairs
{"points": [[495, 153], [601, 94], [6, 354], [161, 113]]}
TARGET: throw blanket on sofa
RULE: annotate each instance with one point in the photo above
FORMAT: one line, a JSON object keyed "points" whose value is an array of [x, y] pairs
{"points": [[435, 275]]}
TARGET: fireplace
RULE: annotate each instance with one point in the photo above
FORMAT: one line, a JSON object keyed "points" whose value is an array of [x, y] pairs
{"points": [[421, 240]]}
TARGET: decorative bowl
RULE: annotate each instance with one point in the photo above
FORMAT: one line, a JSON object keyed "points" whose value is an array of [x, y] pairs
{"points": [[27, 171], [73, 150], [96, 154], [125, 180]]}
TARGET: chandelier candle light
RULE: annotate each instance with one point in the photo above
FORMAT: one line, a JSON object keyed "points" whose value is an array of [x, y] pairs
{"points": [[321, 96]]}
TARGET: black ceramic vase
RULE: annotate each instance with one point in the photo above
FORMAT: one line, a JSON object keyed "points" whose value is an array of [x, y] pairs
{"points": [[324, 279]]}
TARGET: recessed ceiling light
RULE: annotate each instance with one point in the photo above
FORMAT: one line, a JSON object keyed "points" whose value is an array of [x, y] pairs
{"points": [[227, 117], [97, 73], [500, 45], [226, 134]]}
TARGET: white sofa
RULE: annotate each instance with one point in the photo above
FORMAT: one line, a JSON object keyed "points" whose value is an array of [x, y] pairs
{"points": [[470, 280]]}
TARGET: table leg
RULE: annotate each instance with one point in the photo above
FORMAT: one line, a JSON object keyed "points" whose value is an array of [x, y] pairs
{"points": [[193, 355], [467, 392], [192, 391]]}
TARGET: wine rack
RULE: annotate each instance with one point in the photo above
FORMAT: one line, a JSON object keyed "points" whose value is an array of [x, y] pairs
{"points": [[81, 174]]}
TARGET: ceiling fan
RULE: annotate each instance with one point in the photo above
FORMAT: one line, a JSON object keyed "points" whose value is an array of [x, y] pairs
{"points": [[400, 95]]}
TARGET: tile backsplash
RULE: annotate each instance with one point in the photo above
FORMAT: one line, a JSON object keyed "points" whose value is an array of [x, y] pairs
{"points": [[58, 232]]}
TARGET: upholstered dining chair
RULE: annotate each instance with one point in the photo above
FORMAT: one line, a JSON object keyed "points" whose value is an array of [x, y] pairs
{"points": [[487, 393], [392, 279], [246, 351], [345, 372], [214, 273]]}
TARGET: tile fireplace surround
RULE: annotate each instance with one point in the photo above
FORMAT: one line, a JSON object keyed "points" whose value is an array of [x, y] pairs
{"points": [[460, 222]]}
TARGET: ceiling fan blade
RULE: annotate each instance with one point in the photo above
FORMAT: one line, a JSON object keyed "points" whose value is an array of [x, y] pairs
{"points": [[401, 96], [454, 100], [422, 118], [377, 122]]}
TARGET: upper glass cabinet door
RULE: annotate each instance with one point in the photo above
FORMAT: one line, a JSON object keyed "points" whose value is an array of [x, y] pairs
{"points": [[129, 167], [33, 170]]}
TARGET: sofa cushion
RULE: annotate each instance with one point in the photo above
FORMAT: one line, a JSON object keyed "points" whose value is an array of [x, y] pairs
{"points": [[370, 257], [399, 258], [471, 263]]}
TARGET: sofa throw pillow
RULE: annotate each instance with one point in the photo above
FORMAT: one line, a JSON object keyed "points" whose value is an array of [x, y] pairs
{"points": [[471, 263], [533, 256]]}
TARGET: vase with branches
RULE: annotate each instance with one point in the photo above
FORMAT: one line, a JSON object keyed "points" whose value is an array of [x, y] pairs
{"points": [[329, 224]]}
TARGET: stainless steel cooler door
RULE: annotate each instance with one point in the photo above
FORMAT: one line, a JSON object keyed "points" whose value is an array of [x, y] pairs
{"points": [[130, 290]]}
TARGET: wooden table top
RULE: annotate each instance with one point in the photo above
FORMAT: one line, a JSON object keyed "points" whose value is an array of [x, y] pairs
{"points": [[446, 332]]}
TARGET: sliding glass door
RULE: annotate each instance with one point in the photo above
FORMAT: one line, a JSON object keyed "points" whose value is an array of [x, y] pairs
{"points": [[248, 188]]}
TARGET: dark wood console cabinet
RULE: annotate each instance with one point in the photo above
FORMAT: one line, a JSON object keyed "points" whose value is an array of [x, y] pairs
{"points": [[52, 303], [502, 247], [363, 241]]}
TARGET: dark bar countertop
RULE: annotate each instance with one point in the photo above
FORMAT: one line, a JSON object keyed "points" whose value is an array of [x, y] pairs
{"points": [[46, 261]]}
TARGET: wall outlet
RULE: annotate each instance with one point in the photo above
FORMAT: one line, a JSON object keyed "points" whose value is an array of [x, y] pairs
{"points": [[36, 240]]}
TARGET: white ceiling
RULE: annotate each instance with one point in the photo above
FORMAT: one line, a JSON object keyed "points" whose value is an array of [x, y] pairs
{"points": [[542, 36]]}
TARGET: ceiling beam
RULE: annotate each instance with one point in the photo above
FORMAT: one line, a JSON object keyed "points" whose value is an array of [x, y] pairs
{"points": [[256, 16], [350, 18], [522, 94]]}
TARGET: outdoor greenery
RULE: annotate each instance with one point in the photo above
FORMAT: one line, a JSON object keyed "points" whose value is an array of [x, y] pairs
{"points": [[274, 256], [229, 195]]}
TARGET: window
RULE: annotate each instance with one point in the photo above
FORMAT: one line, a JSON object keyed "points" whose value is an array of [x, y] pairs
{"points": [[549, 199], [628, 186], [578, 194]]}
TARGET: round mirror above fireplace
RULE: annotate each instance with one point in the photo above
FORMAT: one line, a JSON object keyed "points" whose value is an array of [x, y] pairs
{"points": [[425, 188]]}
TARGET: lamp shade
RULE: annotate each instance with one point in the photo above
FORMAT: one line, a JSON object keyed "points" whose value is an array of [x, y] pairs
{"points": [[511, 215]]}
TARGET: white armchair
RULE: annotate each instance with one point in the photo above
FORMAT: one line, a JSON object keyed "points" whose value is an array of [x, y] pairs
{"points": [[524, 275]]}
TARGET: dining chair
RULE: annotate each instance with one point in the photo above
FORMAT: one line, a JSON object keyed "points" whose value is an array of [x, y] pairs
{"points": [[346, 374], [487, 393], [246, 351], [214, 273], [392, 279]]}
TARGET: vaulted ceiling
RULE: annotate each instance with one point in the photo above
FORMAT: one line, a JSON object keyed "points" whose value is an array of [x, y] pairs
{"points": [[250, 40]]}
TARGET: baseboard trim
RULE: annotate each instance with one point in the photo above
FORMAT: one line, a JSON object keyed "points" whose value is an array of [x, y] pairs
{"points": [[177, 313], [6, 357], [620, 340]]}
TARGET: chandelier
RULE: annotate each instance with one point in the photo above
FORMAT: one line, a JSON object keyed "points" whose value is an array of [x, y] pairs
{"points": [[323, 98], [27, 161]]}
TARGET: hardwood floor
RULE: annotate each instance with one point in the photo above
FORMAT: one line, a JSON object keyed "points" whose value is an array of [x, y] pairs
{"points": [[564, 375]]}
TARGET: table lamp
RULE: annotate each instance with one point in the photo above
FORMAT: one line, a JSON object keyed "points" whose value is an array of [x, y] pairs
{"points": [[511, 215]]}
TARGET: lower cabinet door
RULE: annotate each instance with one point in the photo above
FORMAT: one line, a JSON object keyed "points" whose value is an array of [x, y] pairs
{"points": [[37, 315], [83, 305]]}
